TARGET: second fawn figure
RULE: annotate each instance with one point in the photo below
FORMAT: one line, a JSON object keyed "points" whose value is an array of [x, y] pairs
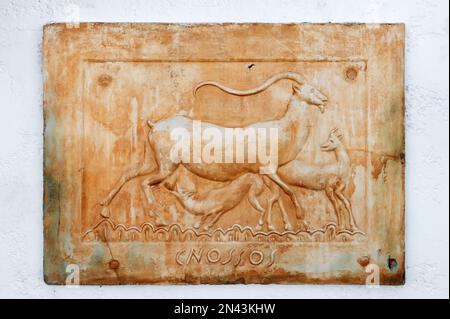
{"points": [[332, 178], [213, 204]]}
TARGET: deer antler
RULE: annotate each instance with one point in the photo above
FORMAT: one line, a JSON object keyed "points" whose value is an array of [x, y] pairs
{"points": [[275, 78]]}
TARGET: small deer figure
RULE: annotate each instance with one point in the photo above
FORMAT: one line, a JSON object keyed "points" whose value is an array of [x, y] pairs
{"points": [[214, 204], [331, 178]]}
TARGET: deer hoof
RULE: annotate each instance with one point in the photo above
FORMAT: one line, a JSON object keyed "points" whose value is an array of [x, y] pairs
{"points": [[271, 228], [160, 223], [259, 227], [105, 213], [288, 227], [299, 214], [159, 220], [304, 226], [197, 225], [353, 228], [104, 202]]}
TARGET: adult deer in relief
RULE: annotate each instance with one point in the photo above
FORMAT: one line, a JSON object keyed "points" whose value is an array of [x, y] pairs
{"points": [[293, 131]]}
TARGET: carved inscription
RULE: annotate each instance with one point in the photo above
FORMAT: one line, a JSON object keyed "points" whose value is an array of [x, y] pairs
{"points": [[235, 257]]}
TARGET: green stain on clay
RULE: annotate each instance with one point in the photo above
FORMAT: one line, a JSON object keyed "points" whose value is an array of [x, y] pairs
{"points": [[137, 255], [53, 264], [98, 256]]}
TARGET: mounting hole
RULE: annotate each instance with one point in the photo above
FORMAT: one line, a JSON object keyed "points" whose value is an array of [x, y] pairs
{"points": [[364, 261], [392, 264], [351, 73], [114, 264], [104, 80]]}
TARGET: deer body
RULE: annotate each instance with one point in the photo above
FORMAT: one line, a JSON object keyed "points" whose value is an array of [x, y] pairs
{"points": [[215, 203], [316, 177], [293, 132]]}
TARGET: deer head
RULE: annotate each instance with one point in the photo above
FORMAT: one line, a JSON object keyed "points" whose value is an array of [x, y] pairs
{"points": [[310, 95], [184, 193], [334, 141]]}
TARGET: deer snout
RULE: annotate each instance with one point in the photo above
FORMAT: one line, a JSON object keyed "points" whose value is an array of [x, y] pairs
{"points": [[321, 101], [321, 108]]}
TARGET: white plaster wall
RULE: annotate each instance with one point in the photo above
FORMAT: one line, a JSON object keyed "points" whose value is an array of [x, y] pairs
{"points": [[427, 123]]}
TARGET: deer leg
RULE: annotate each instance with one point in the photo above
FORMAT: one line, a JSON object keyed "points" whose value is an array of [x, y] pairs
{"points": [[287, 189], [330, 194], [145, 168], [215, 213], [349, 214], [276, 198], [253, 199], [262, 220], [126, 177], [270, 225], [203, 220], [256, 189], [216, 218], [287, 223], [147, 185], [266, 217], [339, 209], [274, 193]]}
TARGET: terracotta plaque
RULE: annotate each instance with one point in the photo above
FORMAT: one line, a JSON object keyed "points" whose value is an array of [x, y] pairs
{"points": [[231, 153]]}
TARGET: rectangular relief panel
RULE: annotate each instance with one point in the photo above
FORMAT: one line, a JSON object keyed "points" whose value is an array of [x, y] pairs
{"points": [[232, 153]]}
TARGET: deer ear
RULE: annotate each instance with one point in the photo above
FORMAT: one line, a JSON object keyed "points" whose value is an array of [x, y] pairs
{"points": [[338, 134], [296, 86]]}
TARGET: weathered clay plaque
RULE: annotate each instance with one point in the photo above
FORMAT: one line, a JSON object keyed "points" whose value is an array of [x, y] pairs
{"points": [[235, 153]]}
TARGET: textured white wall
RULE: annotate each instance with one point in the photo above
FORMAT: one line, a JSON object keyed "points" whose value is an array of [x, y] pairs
{"points": [[427, 121]]}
